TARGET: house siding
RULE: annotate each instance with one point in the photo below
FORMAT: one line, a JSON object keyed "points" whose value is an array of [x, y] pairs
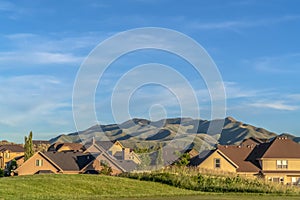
{"points": [[285, 174], [270, 164], [116, 147], [29, 167], [4, 159], [209, 163], [95, 166]]}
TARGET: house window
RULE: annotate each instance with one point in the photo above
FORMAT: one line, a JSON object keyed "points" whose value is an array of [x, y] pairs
{"points": [[276, 179], [295, 180], [282, 164], [217, 163], [39, 163], [7, 155]]}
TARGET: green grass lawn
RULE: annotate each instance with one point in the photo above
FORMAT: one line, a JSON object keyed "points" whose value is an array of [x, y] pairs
{"points": [[101, 187]]}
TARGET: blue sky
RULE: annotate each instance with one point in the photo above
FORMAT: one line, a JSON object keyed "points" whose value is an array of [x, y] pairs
{"points": [[255, 45]]}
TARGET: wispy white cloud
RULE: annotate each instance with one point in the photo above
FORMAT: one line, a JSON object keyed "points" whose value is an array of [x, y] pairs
{"points": [[277, 105], [294, 97], [288, 63], [235, 90], [10, 58], [238, 24], [33, 101], [28, 48]]}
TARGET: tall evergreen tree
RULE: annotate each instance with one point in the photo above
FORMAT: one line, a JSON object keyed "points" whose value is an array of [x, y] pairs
{"points": [[28, 147]]}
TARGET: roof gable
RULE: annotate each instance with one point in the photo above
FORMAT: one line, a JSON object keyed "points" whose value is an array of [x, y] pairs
{"points": [[282, 147], [12, 148], [198, 160], [239, 155], [70, 161], [35, 156]]}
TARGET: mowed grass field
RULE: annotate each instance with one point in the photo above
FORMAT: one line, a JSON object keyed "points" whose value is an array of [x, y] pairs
{"points": [[104, 187]]}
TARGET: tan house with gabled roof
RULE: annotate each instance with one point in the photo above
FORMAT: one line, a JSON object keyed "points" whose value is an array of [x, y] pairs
{"points": [[73, 162], [9, 152], [277, 160], [115, 149], [54, 162]]}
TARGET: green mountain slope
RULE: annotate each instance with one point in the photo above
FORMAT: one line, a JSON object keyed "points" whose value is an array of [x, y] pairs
{"points": [[143, 133]]}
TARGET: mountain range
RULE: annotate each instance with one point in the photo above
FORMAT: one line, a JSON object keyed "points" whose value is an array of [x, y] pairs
{"points": [[143, 133]]}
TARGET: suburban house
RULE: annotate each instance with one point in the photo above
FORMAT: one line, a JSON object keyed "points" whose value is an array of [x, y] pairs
{"points": [[277, 160], [71, 162], [76, 158], [40, 145], [60, 147], [103, 157], [115, 149], [9, 152], [54, 162]]}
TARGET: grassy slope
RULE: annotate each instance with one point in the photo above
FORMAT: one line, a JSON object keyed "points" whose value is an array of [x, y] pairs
{"points": [[100, 187], [81, 187]]}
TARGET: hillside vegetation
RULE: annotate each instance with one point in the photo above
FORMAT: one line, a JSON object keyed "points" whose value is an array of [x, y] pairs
{"points": [[196, 180], [142, 133]]}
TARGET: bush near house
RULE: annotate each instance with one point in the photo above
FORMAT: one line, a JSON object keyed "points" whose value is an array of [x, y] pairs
{"points": [[1, 172], [192, 179]]}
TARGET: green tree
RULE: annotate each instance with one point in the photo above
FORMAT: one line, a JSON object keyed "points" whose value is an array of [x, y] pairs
{"points": [[28, 147], [11, 167], [106, 169], [145, 161], [184, 160]]}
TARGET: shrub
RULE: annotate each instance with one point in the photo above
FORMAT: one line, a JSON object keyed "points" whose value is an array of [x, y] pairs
{"points": [[194, 180], [1, 172]]}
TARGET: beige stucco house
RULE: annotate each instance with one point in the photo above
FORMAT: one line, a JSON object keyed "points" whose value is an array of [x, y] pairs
{"points": [[115, 149], [9, 152], [277, 160], [73, 162]]}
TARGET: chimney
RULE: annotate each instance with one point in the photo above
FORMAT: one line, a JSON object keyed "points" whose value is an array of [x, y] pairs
{"points": [[94, 141], [126, 152]]}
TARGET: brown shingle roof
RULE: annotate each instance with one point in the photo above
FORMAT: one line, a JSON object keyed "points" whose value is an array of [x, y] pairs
{"points": [[128, 165], [282, 147], [12, 148], [39, 142], [70, 161], [253, 141], [72, 146], [106, 145], [239, 155]]}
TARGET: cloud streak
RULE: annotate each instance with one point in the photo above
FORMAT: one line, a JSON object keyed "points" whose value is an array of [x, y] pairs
{"points": [[28, 48], [34, 101], [238, 24], [277, 105]]}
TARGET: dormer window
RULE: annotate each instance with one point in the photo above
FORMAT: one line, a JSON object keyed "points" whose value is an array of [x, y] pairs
{"points": [[282, 164]]}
